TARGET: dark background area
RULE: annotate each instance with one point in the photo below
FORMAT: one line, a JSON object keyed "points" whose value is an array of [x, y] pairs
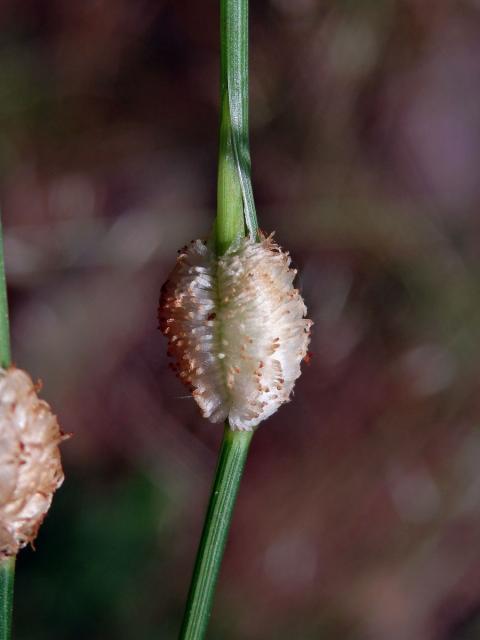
{"points": [[359, 514]]}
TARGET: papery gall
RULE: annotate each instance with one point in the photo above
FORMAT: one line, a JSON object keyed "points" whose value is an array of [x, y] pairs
{"points": [[30, 467], [236, 329]]}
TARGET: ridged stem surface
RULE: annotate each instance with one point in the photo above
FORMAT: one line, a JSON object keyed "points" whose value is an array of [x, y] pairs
{"points": [[7, 566], [5, 355], [7, 578], [235, 205], [235, 218], [233, 454]]}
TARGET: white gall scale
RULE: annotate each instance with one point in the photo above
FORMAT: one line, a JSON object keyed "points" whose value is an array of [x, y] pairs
{"points": [[236, 329], [30, 466]]}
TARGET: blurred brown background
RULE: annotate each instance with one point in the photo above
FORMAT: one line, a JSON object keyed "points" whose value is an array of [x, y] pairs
{"points": [[359, 515]]}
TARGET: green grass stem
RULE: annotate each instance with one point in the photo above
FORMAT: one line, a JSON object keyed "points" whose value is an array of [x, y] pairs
{"points": [[7, 566], [235, 217], [231, 461], [7, 579], [5, 354], [235, 205]]}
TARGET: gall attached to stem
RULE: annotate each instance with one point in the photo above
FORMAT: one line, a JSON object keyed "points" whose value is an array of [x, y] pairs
{"points": [[236, 329], [30, 466]]}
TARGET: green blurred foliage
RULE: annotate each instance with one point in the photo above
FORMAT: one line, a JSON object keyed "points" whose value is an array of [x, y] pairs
{"points": [[101, 553]]}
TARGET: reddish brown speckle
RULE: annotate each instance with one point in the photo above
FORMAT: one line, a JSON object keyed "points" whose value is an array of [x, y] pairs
{"points": [[308, 357]]}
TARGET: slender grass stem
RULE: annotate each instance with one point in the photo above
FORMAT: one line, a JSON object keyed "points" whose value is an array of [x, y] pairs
{"points": [[5, 354], [235, 205], [7, 566], [7, 578], [233, 454], [235, 217], [230, 222]]}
